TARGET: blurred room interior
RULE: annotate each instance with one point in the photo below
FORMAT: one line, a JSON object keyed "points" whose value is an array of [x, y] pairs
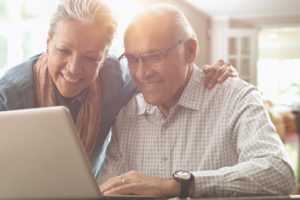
{"points": [[261, 38]]}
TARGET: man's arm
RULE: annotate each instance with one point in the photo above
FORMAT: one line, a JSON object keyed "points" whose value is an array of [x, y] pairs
{"points": [[262, 167]]}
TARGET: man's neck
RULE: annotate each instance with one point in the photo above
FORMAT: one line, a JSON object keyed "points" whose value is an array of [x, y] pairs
{"points": [[165, 107], [164, 110]]}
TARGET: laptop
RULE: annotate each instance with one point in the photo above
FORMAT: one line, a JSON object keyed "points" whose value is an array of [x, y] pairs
{"points": [[41, 157]]}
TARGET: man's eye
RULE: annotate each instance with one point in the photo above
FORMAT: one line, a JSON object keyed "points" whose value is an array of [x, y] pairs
{"points": [[91, 59], [132, 59], [154, 57]]}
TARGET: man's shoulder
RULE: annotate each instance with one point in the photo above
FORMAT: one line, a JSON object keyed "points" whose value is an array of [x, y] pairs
{"points": [[196, 94], [231, 83], [236, 85], [233, 91]]}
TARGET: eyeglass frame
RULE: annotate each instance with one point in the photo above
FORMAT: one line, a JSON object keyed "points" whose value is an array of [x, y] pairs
{"points": [[161, 53]]}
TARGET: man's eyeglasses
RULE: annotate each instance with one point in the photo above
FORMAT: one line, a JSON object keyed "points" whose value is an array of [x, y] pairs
{"points": [[149, 59]]}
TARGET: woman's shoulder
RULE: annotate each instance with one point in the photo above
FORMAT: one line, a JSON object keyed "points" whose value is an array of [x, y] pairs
{"points": [[114, 75], [15, 83], [113, 69], [18, 76]]}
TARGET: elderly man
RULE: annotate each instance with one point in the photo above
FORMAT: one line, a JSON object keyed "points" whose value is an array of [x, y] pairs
{"points": [[177, 139]]}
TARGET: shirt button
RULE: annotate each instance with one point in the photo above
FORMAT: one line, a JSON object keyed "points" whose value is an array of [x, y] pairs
{"points": [[165, 158], [165, 126]]}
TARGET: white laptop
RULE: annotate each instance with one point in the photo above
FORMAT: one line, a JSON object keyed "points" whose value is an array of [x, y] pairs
{"points": [[41, 157]]}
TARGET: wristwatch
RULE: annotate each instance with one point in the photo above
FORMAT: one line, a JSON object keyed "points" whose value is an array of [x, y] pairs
{"points": [[184, 178]]}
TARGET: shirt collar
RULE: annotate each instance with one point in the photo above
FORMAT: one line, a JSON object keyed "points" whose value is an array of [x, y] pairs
{"points": [[193, 93], [191, 97], [143, 106]]}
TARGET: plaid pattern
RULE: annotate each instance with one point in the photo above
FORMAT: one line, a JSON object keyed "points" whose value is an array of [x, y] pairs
{"points": [[223, 136]]}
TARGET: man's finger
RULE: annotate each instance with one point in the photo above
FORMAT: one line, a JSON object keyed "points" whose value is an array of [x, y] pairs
{"points": [[127, 188], [112, 183]]}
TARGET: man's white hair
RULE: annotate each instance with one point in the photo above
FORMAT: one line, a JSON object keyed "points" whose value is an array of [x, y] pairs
{"points": [[172, 16]]}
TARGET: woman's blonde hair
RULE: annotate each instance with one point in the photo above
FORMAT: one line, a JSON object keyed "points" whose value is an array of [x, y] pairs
{"points": [[86, 12]]}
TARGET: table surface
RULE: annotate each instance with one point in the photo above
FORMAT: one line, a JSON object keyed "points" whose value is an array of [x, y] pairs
{"points": [[286, 197]]}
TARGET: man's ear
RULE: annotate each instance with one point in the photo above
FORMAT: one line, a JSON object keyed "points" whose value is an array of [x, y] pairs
{"points": [[190, 50]]}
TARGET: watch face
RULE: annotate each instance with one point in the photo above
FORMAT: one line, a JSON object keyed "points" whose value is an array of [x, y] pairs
{"points": [[183, 175]]}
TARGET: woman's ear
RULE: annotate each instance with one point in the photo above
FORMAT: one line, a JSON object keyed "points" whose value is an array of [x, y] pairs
{"points": [[190, 50], [49, 38]]}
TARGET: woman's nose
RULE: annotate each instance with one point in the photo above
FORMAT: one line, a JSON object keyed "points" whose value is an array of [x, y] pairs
{"points": [[74, 65]]}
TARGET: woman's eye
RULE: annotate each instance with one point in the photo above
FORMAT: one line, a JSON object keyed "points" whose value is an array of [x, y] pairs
{"points": [[64, 51]]}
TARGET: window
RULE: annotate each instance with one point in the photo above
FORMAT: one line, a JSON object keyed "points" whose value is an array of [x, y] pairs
{"points": [[23, 28], [279, 65], [24, 25]]}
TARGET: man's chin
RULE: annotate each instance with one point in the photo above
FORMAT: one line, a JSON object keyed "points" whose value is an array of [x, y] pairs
{"points": [[152, 101]]}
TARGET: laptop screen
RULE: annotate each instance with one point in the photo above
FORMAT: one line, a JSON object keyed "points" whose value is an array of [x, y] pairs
{"points": [[41, 156]]}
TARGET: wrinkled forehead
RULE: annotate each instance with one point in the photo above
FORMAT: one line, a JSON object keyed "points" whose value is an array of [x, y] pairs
{"points": [[150, 27]]}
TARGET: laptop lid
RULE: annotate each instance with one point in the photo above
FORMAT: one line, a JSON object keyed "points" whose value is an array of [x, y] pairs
{"points": [[41, 156]]}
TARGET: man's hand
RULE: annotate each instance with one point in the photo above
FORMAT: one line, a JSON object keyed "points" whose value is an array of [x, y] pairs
{"points": [[136, 183], [217, 73]]}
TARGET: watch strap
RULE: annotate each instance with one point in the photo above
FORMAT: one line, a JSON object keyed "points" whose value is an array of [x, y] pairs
{"points": [[184, 185], [184, 191]]}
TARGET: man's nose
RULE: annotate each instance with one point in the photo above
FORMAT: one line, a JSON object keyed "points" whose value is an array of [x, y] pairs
{"points": [[142, 70]]}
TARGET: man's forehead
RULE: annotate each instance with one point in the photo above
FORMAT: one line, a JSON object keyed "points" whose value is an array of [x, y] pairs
{"points": [[152, 20], [148, 30], [147, 42]]}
